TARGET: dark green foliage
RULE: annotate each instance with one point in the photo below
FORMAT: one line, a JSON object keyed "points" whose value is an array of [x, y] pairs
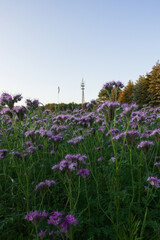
{"points": [[140, 91], [154, 85], [112, 204], [63, 106]]}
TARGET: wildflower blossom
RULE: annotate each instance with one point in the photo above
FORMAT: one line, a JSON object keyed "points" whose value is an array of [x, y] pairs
{"points": [[34, 215], [155, 133], [113, 159], [52, 152], [158, 165], [42, 233], [32, 104], [83, 172], [55, 218], [75, 140], [100, 159], [113, 131], [119, 84], [45, 183], [7, 99], [154, 181], [145, 145], [69, 220]]}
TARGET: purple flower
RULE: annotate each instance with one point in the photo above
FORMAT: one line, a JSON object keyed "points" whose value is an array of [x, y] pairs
{"points": [[32, 104], [119, 84], [6, 99], [56, 138], [127, 110], [40, 146], [158, 165], [51, 233], [34, 215], [154, 181], [156, 134], [100, 159], [45, 183], [20, 112], [17, 98], [108, 86], [113, 131], [75, 140], [83, 172], [42, 233], [70, 162], [29, 133], [52, 152], [145, 144], [69, 220], [28, 143], [7, 111], [55, 218], [97, 148], [112, 159]]}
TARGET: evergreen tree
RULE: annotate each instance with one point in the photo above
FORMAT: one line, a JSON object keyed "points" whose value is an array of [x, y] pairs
{"points": [[127, 94], [140, 91], [154, 85]]}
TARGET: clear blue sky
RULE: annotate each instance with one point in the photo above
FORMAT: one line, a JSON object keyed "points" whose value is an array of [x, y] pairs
{"points": [[49, 43]]}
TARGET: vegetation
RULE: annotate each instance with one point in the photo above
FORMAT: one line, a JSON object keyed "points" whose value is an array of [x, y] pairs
{"points": [[80, 174]]}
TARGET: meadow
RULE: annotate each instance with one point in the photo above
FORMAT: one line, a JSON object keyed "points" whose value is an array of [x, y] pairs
{"points": [[85, 174]]}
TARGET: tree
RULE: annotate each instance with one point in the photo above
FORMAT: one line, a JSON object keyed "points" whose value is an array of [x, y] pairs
{"points": [[154, 85], [126, 96], [140, 91]]}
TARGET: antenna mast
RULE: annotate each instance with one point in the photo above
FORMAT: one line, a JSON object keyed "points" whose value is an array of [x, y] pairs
{"points": [[82, 87]]}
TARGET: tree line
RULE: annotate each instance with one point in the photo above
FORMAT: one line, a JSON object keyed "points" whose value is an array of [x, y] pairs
{"points": [[145, 91]]}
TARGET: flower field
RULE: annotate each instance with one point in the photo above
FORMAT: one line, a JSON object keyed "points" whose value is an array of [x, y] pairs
{"points": [[85, 174]]}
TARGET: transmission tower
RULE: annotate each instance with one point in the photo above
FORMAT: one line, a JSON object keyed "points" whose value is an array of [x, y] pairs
{"points": [[82, 87]]}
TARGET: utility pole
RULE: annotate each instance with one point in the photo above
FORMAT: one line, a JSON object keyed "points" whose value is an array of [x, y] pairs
{"points": [[82, 88]]}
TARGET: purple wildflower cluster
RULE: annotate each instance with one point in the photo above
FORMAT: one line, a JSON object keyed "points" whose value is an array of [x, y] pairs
{"points": [[20, 112], [154, 181], [108, 104], [42, 133], [7, 100], [113, 131], [83, 173], [157, 164], [127, 109], [30, 149], [75, 140], [131, 136], [145, 145], [47, 183], [72, 162], [32, 104], [60, 221], [36, 216], [109, 85]]}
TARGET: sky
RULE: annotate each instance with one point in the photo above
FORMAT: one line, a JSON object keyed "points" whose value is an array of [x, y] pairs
{"points": [[49, 43]]}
